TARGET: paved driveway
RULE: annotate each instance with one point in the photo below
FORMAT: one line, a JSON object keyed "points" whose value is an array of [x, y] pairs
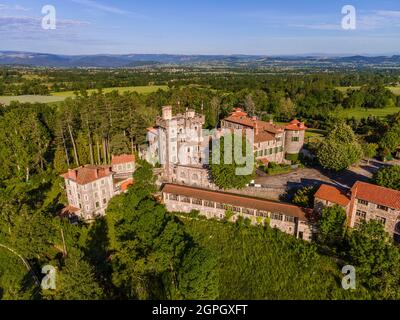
{"points": [[316, 176]]}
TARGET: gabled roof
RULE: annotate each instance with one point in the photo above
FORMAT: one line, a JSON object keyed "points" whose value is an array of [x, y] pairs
{"points": [[87, 174], [124, 158], [333, 195], [237, 200], [379, 195]]}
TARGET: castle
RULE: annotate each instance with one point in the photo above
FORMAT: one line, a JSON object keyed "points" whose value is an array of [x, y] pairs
{"points": [[178, 144]]}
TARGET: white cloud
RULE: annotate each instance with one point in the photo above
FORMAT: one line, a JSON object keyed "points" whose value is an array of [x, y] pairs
{"points": [[16, 7], [320, 26], [101, 7], [389, 13], [11, 25]]}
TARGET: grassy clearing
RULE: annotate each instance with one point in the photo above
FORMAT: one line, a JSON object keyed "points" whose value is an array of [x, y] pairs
{"points": [[29, 98], [61, 96], [395, 90], [315, 133], [257, 263], [363, 113], [139, 89]]}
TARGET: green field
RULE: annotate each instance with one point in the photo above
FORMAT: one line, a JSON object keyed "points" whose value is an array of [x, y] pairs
{"points": [[395, 90], [61, 96], [139, 89], [32, 99], [363, 113]]}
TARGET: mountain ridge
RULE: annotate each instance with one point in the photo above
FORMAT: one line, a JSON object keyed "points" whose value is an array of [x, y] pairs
{"points": [[34, 59]]}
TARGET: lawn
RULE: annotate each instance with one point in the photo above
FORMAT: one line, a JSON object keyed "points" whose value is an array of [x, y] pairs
{"points": [[258, 263], [139, 89], [29, 98], [363, 113]]}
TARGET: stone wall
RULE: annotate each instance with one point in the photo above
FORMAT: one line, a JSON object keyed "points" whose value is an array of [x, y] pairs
{"points": [[287, 224]]}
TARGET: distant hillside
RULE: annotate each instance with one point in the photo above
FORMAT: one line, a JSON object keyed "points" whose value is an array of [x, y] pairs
{"points": [[16, 58]]}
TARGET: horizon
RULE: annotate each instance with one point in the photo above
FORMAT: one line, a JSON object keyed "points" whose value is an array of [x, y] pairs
{"points": [[304, 55], [254, 28]]}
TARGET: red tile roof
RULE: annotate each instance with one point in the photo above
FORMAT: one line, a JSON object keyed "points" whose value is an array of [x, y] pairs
{"points": [[238, 113], [376, 194], [296, 125], [86, 174], [124, 158], [126, 184], [332, 194], [237, 200], [252, 123], [152, 129], [68, 211]]}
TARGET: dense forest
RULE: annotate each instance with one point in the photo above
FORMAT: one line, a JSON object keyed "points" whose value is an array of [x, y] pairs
{"points": [[139, 251]]}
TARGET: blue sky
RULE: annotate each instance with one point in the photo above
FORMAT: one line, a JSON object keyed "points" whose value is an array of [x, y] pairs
{"points": [[201, 27]]}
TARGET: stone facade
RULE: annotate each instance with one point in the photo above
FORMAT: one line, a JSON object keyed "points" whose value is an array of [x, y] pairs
{"points": [[212, 204], [91, 196], [123, 166], [271, 142], [365, 202], [90, 188]]}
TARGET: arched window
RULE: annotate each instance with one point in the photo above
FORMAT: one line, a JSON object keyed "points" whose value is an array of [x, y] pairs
{"points": [[195, 177], [397, 227]]}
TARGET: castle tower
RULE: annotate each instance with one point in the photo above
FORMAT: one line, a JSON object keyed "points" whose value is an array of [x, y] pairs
{"points": [[294, 139], [167, 113]]}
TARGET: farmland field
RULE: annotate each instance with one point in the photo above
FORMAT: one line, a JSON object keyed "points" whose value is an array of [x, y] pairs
{"points": [[29, 98], [61, 96], [139, 89], [395, 90], [363, 113]]}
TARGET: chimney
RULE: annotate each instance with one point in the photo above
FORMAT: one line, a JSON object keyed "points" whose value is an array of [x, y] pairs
{"points": [[255, 127], [96, 173], [167, 113], [271, 121]]}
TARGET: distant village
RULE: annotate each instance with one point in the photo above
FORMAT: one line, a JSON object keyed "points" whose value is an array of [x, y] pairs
{"points": [[179, 150]]}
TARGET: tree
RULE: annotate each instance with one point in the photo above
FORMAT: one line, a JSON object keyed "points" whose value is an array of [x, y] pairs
{"points": [[288, 109], [76, 280], [120, 144], [369, 150], [340, 149], [388, 177], [304, 197], [391, 139], [149, 247], [376, 260], [198, 276], [230, 174], [332, 225]]}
